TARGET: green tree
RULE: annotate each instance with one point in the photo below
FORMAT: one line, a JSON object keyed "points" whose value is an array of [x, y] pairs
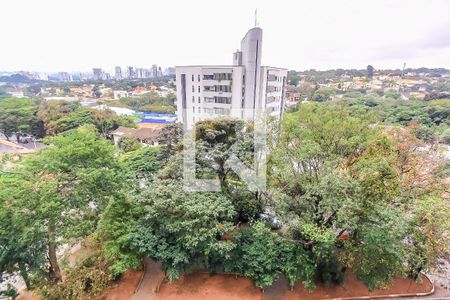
{"points": [[59, 193], [142, 164], [170, 137], [263, 255], [323, 94], [72, 120], [115, 231], [106, 121], [293, 78], [51, 111], [17, 117], [128, 144], [429, 228], [338, 176], [183, 230], [66, 90], [216, 141], [22, 248], [376, 252], [256, 255], [96, 92]]}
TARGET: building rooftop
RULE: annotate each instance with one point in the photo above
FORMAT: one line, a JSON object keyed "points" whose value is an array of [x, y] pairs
{"points": [[141, 134]]}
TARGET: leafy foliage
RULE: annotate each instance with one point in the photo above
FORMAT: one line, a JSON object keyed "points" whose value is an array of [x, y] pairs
{"points": [[128, 144], [18, 117], [143, 163], [151, 102], [183, 230], [348, 191], [61, 116], [88, 279], [58, 194]]}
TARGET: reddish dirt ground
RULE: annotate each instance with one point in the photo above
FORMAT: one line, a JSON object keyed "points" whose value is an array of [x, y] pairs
{"points": [[124, 288], [26, 295], [203, 286], [121, 290], [352, 288]]}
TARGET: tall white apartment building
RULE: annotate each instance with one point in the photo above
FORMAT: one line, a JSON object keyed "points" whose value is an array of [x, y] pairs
{"points": [[237, 90]]}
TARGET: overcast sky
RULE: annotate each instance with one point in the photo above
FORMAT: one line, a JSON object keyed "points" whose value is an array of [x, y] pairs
{"points": [[76, 35]]}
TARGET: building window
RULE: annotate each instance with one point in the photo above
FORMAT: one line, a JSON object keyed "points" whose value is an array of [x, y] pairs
{"points": [[193, 99], [198, 77], [199, 89], [223, 100], [221, 111], [192, 77], [193, 109], [193, 88], [222, 76], [198, 109], [199, 99], [222, 88]]}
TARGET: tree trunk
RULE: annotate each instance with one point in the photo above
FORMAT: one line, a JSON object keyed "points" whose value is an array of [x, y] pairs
{"points": [[55, 272], [18, 138], [24, 274]]}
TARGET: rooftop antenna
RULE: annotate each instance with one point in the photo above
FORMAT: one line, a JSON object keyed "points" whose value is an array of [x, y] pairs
{"points": [[256, 17]]}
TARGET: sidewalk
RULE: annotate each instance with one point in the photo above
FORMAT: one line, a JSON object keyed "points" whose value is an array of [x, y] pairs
{"points": [[151, 280]]}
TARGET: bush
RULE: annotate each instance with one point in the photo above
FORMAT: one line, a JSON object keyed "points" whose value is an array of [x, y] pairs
{"points": [[329, 272], [245, 203], [128, 143], [262, 255], [82, 282]]}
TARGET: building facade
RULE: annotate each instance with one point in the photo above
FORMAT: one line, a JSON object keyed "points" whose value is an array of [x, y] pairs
{"points": [[118, 73], [97, 73], [237, 90]]}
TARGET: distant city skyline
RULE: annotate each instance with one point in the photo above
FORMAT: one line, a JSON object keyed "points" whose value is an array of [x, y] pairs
{"points": [[76, 36]]}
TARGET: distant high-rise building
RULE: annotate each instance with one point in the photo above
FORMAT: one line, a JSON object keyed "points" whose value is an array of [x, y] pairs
{"points": [[98, 73], [169, 72], [130, 73], [154, 71], [43, 76], [106, 76], [64, 76], [118, 74], [141, 73], [237, 90]]}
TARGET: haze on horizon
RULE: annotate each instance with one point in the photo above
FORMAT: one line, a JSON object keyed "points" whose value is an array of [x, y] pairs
{"points": [[52, 36]]}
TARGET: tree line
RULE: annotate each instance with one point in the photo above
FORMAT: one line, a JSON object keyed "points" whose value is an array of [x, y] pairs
{"points": [[344, 193]]}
